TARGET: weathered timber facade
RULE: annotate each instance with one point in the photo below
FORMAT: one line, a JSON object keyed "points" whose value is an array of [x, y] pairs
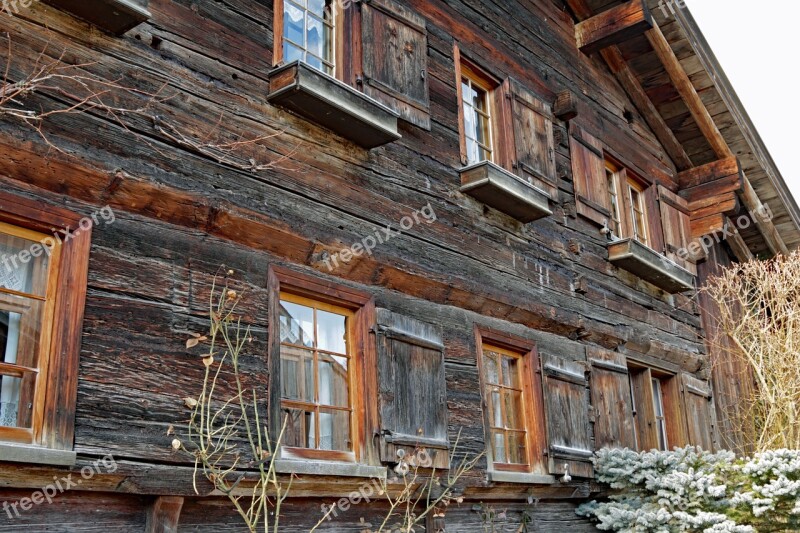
{"points": [[536, 178]]}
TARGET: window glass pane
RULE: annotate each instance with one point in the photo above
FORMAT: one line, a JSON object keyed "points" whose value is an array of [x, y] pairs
{"points": [[468, 93], [293, 24], [333, 382], [657, 400], [23, 276], [478, 98], [16, 399], [316, 37], [637, 214], [482, 129], [662, 436], [291, 53], [516, 448], [297, 374], [317, 7], [299, 432], [474, 153], [499, 447], [334, 430], [511, 372], [315, 62], [20, 330], [495, 408], [612, 192], [513, 409], [490, 368], [331, 332], [297, 324]]}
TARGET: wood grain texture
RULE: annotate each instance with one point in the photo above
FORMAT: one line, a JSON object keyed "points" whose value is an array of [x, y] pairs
{"points": [[181, 214], [613, 26]]}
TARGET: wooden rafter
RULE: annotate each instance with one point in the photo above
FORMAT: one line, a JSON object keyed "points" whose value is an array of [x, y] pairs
{"points": [[630, 83], [688, 93], [712, 134], [699, 112]]}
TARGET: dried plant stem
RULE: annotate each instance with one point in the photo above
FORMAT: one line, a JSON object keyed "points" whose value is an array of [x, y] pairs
{"points": [[759, 322]]}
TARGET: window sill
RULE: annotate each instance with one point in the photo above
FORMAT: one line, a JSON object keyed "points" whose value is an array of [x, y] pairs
{"points": [[27, 453], [520, 477], [326, 468], [502, 190], [635, 257], [330, 103], [114, 16]]}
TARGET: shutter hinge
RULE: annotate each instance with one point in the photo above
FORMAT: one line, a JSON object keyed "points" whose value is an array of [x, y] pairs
{"points": [[422, 74]]}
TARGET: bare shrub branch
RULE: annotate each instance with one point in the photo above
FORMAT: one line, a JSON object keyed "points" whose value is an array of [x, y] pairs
{"points": [[759, 324], [85, 92]]}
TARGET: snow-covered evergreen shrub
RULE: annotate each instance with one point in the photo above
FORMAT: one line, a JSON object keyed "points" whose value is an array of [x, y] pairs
{"points": [[690, 490]]}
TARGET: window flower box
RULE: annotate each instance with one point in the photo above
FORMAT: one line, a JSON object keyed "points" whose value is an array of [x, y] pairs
{"points": [[114, 16], [635, 257], [502, 190], [332, 104]]}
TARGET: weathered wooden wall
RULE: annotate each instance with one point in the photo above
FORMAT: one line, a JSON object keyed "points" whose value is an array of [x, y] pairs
{"points": [[732, 378], [180, 215]]}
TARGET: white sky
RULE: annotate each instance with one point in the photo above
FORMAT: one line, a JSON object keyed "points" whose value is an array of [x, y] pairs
{"points": [[757, 45]]}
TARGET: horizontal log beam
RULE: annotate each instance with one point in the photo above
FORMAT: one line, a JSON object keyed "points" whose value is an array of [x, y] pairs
{"points": [[732, 183], [727, 203], [708, 225], [709, 172], [613, 26]]}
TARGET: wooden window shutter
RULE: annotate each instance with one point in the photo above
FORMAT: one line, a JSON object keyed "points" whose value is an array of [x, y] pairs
{"points": [[395, 64], [567, 413], [412, 397], [530, 150], [589, 176], [611, 400], [700, 419], [676, 227]]}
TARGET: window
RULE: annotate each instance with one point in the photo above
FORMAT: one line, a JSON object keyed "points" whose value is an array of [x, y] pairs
{"points": [[42, 293], [613, 194], [657, 409], [627, 206], [638, 212], [316, 374], [504, 403], [477, 118], [308, 33], [319, 368], [26, 310], [512, 398], [475, 92]]}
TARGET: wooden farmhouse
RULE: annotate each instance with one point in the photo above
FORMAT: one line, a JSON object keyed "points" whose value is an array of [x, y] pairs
{"points": [[459, 226]]}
